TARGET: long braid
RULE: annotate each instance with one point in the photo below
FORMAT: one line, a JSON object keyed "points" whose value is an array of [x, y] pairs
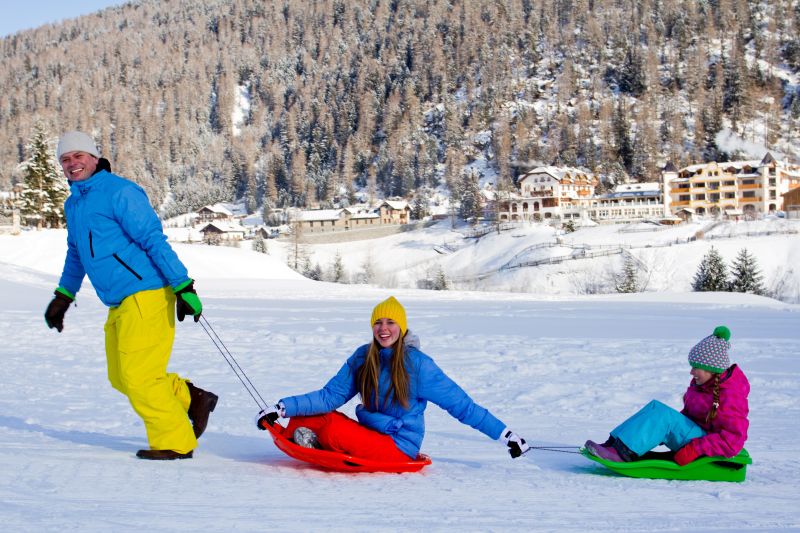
{"points": [[712, 414]]}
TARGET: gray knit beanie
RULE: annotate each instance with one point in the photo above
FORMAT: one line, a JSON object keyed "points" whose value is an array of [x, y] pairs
{"points": [[76, 141], [711, 353]]}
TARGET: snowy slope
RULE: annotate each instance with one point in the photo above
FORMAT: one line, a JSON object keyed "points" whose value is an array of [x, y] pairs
{"points": [[668, 261], [558, 370]]}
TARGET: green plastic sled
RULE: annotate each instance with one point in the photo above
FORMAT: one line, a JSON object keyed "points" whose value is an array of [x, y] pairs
{"points": [[658, 465]]}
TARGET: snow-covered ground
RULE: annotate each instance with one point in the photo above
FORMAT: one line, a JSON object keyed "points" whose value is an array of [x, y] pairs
{"points": [[558, 369]]}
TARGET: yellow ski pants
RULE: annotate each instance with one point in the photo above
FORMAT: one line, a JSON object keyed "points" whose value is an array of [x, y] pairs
{"points": [[139, 337]]}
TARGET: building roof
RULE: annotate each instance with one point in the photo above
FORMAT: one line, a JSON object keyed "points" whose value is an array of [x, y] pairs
{"points": [[753, 163], [647, 187], [320, 215], [557, 172], [396, 204], [217, 208], [224, 227]]}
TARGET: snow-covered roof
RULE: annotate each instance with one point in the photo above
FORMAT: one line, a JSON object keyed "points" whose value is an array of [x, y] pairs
{"points": [[635, 190], [738, 165], [225, 227], [557, 172], [396, 204], [320, 214], [217, 208], [638, 187]]}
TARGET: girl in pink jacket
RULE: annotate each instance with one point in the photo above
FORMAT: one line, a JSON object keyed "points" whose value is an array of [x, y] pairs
{"points": [[713, 420]]}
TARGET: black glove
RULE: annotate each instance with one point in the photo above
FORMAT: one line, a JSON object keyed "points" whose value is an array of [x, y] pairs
{"points": [[270, 415], [54, 315], [187, 302], [516, 444]]}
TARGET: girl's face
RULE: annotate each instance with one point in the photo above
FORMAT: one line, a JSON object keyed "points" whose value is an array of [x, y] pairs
{"points": [[386, 331], [700, 375]]}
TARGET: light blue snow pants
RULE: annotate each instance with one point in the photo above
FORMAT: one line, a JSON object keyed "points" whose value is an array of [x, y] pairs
{"points": [[654, 424]]}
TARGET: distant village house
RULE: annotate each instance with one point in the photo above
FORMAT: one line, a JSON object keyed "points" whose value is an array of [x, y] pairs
{"points": [[389, 212]]}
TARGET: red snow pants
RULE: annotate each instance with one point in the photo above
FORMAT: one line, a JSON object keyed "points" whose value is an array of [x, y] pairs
{"points": [[336, 431]]}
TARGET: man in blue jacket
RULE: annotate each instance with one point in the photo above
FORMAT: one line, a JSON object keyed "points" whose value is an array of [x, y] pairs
{"points": [[115, 237]]}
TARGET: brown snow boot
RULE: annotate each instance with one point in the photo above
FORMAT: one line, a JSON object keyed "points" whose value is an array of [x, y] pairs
{"points": [[201, 405], [162, 455]]}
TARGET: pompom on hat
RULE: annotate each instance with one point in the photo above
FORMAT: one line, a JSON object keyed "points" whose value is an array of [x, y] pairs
{"points": [[390, 308], [711, 353], [76, 141]]}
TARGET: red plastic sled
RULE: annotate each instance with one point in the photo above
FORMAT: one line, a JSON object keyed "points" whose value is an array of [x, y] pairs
{"points": [[341, 462]]}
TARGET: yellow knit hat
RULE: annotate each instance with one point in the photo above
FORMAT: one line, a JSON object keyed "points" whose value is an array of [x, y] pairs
{"points": [[390, 308]]}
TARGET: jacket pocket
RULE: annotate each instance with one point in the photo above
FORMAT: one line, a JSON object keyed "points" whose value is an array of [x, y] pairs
{"points": [[91, 244], [123, 263]]}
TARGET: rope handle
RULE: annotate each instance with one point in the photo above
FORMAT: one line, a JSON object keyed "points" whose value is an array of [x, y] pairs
{"points": [[231, 360]]}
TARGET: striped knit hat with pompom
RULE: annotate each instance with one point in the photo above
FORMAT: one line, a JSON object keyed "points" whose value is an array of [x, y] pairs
{"points": [[711, 353]]}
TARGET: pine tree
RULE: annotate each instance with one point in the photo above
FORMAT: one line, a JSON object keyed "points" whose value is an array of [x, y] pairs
{"points": [[44, 190], [628, 280], [440, 283], [711, 275], [622, 136], [470, 207], [337, 270], [259, 244], [745, 274], [419, 206]]}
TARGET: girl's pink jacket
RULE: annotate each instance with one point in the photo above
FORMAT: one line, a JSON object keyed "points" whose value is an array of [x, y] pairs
{"points": [[727, 433]]}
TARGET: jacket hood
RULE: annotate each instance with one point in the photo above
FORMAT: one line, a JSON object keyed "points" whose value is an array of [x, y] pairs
{"points": [[731, 378]]}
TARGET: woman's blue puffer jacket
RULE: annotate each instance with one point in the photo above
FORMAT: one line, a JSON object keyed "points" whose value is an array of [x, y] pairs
{"points": [[427, 382]]}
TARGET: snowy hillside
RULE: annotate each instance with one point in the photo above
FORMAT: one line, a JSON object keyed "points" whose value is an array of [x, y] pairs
{"points": [[558, 371], [668, 257]]}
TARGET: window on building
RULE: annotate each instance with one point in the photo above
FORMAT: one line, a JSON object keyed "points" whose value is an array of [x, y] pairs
{"points": [[749, 194]]}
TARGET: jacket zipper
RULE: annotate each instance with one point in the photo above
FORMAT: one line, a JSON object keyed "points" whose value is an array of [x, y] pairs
{"points": [[123, 263], [91, 247]]}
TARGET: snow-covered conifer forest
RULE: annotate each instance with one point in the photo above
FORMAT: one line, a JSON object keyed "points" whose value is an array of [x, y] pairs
{"points": [[304, 103]]}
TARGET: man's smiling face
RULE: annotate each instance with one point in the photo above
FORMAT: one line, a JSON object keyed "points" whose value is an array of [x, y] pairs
{"points": [[78, 166]]}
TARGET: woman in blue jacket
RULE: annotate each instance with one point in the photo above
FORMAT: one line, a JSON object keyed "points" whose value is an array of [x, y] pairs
{"points": [[395, 381]]}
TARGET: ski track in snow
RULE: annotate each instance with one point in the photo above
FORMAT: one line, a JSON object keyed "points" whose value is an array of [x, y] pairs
{"points": [[556, 371]]}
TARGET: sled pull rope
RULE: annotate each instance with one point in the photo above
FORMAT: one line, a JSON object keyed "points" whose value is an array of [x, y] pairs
{"points": [[231, 360], [562, 449]]}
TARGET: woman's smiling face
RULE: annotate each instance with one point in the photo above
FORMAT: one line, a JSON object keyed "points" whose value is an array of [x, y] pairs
{"points": [[386, 331]]}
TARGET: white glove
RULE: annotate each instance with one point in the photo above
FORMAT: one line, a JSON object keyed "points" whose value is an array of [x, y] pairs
{"points": [[516, 444], [271, 414]]}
